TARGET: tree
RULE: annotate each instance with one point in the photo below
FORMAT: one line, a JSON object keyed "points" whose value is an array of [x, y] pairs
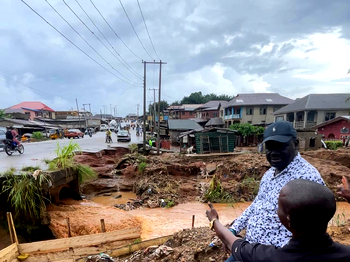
{"points": [[163, 105], [2, 114], [199, 98], [247, 129]]}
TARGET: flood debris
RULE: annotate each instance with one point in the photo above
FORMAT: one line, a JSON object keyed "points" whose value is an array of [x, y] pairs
{"points": [[99, 258]]}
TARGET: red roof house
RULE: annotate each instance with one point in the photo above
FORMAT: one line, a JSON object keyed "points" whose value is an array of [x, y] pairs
{"points": [[33, 109], [336, 128]]}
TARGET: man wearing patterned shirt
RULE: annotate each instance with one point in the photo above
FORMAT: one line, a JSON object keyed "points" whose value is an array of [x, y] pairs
{"points": [[260, 218]]}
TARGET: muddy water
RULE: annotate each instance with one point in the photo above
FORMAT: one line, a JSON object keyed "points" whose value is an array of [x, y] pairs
{"points": [[159, 222], [111, 200]]}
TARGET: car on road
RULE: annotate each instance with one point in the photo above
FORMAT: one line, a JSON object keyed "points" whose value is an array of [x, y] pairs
{"points": [[123, 135], [103, 127], [2, 137], [75, 133]]}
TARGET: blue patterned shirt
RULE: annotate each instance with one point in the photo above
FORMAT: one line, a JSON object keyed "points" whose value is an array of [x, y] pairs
{"points": [[260, 218]]}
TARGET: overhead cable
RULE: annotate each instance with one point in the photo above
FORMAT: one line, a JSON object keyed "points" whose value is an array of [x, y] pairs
{"points": [[126, 63], [73, 43], [133, 28], [144, 21], [88, 43], [114, 31]]}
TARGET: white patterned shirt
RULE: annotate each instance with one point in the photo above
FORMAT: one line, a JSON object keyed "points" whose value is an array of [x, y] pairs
{"points": [[260, 218]]}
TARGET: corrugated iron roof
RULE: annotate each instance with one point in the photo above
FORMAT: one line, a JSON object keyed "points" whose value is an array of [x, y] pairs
{"points": [[32, 105], [216, 121], [259, 99], [183, 124], [317, 102]]}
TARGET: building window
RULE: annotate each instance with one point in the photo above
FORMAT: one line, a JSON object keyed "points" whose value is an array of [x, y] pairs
{"points": [[221, 113], [190, 113], [279, 118], [250, 111], [275, 108], [215, 114], [249, 122], [183, 113], [344, 130], [329, 116], [262, 110]]}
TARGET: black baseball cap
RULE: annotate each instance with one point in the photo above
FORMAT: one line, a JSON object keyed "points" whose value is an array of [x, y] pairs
{"points": [[281, 131]]}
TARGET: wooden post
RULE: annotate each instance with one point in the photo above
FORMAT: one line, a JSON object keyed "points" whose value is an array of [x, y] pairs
{"points": [[68, 227], [193, 218], [14, 230], [103, 226], [10, 227]]}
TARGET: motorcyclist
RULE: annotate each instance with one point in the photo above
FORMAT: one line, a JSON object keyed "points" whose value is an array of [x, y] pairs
{"points": [[12, 134], [137, 130]]}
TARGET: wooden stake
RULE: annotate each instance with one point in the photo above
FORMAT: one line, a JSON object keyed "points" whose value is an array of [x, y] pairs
{"points": [[193, 218], [10, 227], [68, 227], [13, 230], [103, 226]]}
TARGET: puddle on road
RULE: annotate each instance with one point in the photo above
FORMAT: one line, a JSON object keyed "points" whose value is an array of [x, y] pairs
{"points": [[111, 200]]}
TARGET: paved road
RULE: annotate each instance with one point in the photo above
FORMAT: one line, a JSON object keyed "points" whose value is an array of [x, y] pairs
{"points": [[35, 152]]}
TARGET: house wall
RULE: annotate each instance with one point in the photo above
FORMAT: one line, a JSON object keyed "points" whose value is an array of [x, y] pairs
{"points": [[334, 128], [187, 114], [305, 138], [174, 134], [227, 142], [320, 116], [208, 114]]}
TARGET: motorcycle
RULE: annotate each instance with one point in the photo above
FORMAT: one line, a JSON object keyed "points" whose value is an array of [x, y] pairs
{"points": [[11, 147]]}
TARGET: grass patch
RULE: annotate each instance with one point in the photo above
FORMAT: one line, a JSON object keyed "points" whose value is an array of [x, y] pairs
{"points": [[10, 171], [37, 135], [133, 148], [216, 193], [85, 173], [25, 195], [30, 169], [250, 184], [334, 145], [170, 203], [142, 166], [137, 241]]}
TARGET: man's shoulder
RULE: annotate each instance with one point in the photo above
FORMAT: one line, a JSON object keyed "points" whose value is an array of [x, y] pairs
{"points": [[342, 248], [303, 165]]}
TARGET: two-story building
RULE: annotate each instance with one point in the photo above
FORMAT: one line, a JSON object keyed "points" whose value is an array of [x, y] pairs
{"points": [[32, 109], [314, 109], [255, 108], [185, 111], [210, 109]]}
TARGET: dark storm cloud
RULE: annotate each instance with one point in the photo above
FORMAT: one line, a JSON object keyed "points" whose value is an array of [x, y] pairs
{"points": [[247, 37]]}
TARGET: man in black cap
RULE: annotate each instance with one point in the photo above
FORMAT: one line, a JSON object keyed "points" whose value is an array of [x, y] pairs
{"points": [[306, 215], [260, 218]]}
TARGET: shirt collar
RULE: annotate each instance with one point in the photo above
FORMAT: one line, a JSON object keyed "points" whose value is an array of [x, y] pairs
{"points": [[286, 169], [312, 242]]}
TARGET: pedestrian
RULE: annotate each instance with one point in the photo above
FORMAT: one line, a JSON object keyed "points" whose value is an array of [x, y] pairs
{"points": [[260, 218], [344, 190], [304, 208]]}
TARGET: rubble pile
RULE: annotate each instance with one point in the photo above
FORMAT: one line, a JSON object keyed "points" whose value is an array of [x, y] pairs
{"points": [[198, 244]]}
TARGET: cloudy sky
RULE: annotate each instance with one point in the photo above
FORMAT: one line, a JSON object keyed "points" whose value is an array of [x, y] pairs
{"points": [[293, 47]]}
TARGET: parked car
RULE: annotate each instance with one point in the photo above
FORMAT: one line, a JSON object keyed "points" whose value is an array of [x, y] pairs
{"points": [[103, 127], [74, 133], [123, 135], [2, 137]]}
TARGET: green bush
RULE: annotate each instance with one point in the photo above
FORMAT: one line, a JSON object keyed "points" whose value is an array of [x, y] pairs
{"points": [[170, 203], [216, 193], [142, 167], [37, 135], [334, 145], [133, 148], [85, 173]]}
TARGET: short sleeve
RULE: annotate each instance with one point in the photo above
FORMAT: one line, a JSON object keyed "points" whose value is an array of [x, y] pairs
{"points": [[244, 251]]}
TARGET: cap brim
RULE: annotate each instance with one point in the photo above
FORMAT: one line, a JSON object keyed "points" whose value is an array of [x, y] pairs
{"points": [[278, 138]]}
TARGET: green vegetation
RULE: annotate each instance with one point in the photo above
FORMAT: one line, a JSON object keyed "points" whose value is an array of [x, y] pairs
{"points": [[3, 115], [339, 220], [163, 106], [133, 148], [64, 159], [25, 195], [10, 171], [37, 135], [334, 145], [170, 203], [216, 193], [247, 129], [30, 169], [142, 166], [251, 185], [137, 241], [199, 98]]}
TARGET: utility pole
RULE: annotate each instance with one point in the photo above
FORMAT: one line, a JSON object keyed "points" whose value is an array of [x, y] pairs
{"points": [[76, 100], [154, 108], [85, 113], [160, 87], [138, 107], [144, 100]]}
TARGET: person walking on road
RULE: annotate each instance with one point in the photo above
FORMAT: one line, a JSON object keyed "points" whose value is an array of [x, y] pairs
{"points": [[305, 215], [260, 218]]}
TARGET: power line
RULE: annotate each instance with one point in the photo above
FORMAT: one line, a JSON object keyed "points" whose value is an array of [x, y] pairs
{"points": [[72, 42], [150, 39], [132, 83], [126, 64], [114, 31], [120, 1]]}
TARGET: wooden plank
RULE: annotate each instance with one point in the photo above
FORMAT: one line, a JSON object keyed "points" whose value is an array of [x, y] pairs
{"points": [[9, 253], [135, 247], [13, 229], [10, 228], [80, 241]]}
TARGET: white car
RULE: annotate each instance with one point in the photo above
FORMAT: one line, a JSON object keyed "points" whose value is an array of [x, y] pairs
{"points": [[103, 127]]}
